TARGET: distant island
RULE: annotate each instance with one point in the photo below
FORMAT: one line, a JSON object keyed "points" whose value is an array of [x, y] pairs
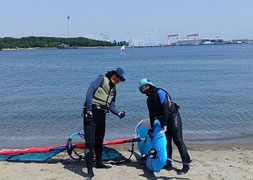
{"points": [[53, 42]]}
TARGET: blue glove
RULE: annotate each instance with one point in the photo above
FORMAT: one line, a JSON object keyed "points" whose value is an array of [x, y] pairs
{"points": [[122, 114]]}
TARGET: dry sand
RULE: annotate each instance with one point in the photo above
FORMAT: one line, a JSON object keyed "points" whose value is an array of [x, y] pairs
{"points": [[219, 161]]}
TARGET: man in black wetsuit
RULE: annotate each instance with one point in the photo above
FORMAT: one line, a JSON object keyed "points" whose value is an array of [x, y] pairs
{"points": [[100, 99], [161, 107]]}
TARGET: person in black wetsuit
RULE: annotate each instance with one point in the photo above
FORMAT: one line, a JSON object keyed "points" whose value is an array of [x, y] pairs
{"points": [[100, 99], [161, 107]]}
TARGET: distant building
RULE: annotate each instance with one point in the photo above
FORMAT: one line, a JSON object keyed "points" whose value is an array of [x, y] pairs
{"points": [[188, 42], [63, 46], [194, 39], [240, 41], [212, 41]]}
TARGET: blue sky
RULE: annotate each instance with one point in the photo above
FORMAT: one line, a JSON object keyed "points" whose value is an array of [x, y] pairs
{"points": [[123, 20]]}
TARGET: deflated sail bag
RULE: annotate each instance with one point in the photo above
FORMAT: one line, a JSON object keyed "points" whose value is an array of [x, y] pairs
{"points": [[154, 149], [157, 155], [141, 131]]}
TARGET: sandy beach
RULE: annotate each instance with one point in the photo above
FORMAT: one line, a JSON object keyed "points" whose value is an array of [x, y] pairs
{"points": [[218, 161]]}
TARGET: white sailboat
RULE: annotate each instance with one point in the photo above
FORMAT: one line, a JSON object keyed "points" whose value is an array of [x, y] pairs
{"points": [[122, 48]]}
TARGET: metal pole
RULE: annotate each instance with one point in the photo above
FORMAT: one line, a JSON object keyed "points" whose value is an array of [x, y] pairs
{"points": [[68, 26]]}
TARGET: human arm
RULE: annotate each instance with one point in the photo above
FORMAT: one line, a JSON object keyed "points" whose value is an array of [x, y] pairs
{"points": [[151, 112], [164, 100], [114, 110], [112, 107]]}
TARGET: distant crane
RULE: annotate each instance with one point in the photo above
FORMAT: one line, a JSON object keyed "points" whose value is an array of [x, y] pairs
{"points": [[172, 35]]}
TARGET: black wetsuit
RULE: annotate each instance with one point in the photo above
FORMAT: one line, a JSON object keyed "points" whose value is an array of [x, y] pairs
{"points": [[162, 108], [94, 136], [95, 130]]}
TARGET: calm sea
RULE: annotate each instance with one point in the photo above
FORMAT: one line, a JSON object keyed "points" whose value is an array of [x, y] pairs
{"points": [[42, 91]]}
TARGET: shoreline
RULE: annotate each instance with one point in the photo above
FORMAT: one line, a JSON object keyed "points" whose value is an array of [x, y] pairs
{"points": [[221, 146], [197, 147], [55, 48], [190, 146], [108, 47]]}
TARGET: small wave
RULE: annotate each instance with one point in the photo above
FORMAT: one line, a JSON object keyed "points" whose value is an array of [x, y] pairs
{"points": [[28, 138], [244, 136], [202, 132]]}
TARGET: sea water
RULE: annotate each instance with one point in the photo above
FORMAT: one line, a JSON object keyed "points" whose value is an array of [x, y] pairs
{"points": [[42, 91]]}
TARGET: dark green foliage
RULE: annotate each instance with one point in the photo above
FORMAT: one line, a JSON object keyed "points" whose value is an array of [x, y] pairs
{"points": [[51, 42]]}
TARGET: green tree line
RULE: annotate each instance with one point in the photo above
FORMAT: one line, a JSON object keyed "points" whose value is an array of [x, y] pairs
{"points": [[50, 42]]}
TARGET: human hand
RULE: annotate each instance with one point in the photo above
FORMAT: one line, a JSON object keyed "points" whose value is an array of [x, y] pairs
{"points": [[164, 130], [150, 131], [88, 117], [122, 114]]}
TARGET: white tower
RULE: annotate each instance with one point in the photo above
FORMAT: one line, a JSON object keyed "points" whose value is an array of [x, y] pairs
{"points": [[68, 18]]}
